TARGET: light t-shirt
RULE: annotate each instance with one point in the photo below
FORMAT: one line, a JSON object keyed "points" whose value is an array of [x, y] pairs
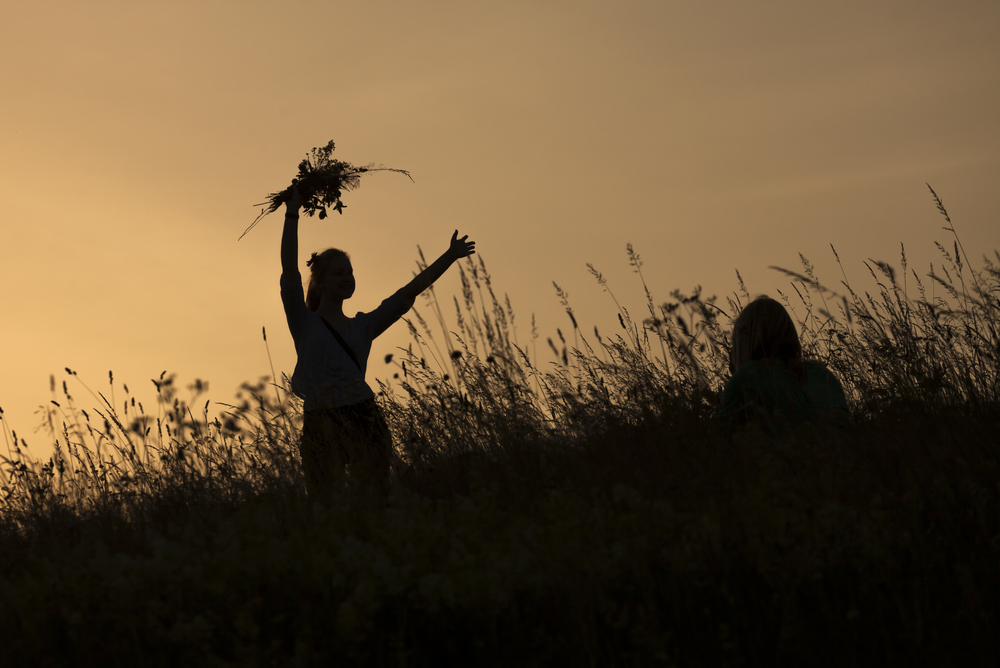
{"points": [[325, 375], [766, 392]]}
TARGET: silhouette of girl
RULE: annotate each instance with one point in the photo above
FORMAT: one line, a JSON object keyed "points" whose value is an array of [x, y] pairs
{"points": [[342, 424], [771, 383]]}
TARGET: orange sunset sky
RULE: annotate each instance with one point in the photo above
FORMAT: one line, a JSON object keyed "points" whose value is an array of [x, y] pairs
{"points": [[713, 136]]}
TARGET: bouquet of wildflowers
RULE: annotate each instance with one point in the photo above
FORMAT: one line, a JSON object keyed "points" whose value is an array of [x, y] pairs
{"points": [[321, 181]]}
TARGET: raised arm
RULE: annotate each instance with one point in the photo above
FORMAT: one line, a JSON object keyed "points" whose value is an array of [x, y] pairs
{"points": [[290, 235], [458, 249]]}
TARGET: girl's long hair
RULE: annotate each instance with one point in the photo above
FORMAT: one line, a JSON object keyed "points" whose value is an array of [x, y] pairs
{"points": [[318, 264], [764, 331]]}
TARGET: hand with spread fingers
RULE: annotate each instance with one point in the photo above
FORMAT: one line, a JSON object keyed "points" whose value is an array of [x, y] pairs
{"points": [[461, 247], [458, 249]]}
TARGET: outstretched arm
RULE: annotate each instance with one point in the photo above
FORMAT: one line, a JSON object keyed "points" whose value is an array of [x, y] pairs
{"points": [[458, 249], [290, 235]]}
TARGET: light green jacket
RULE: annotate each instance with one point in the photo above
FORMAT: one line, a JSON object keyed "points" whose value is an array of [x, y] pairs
{"points": [[765, 392]]}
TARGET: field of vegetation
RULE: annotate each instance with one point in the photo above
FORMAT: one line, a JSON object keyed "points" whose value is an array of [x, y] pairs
{"points": [[581, 512]]}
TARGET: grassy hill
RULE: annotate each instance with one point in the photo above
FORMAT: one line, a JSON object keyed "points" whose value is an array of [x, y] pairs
{"points": [[587, 513]]}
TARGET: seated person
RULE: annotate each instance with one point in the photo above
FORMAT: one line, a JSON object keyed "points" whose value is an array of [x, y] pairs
{"points": [[772, 384]]}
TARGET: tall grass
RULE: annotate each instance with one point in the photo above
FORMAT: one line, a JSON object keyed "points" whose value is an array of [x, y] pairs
{"points": [[566, 503], [932, 343]]}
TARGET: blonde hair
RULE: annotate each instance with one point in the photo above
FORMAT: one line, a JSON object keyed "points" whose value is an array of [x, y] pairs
{"points": [[765, 332], [318, 264]]}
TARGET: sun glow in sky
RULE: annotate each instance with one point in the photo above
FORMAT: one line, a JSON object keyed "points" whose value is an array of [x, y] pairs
{"points": [[713, 136]]}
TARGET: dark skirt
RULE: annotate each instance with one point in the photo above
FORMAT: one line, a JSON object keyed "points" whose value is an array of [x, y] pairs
{"points": [[354, 436]]}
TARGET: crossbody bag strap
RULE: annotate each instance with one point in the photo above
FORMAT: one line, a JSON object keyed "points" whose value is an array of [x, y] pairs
{"points": [[343, 344]]}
